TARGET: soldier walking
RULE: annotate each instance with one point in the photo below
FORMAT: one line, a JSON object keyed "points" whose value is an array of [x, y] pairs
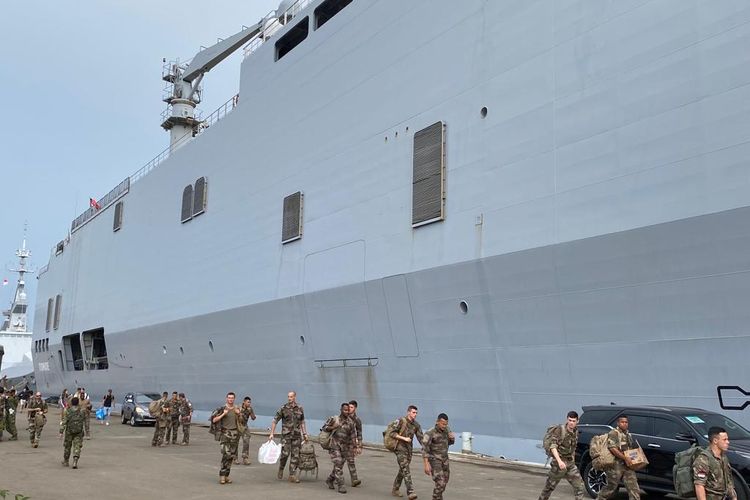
{"points": [[84, 401], [71, 426], [162, 418], [3, 398], [186, 416], [36, 410], [343, 435], [435, 455], [11, 406], [408, 428], [229, 418], [712, 474], [246, 413], [173, 424], [563, 440], [618, 441], [293, 431], [356, 448]]}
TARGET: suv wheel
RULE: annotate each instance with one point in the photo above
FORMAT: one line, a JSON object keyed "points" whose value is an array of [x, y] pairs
{"points": [[123, 420], [594, 480], [132, 420], [740, 490]]}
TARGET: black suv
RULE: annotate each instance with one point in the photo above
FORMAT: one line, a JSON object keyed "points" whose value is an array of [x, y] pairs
{"points": [[662, 432]]}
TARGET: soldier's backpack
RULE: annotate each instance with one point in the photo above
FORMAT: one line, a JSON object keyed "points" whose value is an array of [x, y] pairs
{"points": [[215, 428], [154, 408], [682, 472], [550, 435], [602, 458], [308, 462], [74, 420], [324, 438], [389, 441]]}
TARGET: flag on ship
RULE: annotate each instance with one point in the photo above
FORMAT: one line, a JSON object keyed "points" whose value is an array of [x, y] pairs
{"points": [[5, 281]]}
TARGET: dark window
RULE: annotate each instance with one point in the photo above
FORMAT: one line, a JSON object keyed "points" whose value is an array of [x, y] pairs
{"points": [[665, 428], [199, 196], [19, 308], [59, 248], [61, 360], [36, 346], [639, 424], [117, 223], [50, 310], [326, 10], [58, 307], [187, 204], [292, 38], [428, 179], [291, 228]]}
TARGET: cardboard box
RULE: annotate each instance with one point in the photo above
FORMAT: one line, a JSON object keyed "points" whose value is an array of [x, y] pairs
{"points": [[637, 457]]}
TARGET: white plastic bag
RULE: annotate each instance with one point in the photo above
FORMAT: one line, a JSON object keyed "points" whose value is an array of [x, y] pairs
{"points": [[269, 452]]}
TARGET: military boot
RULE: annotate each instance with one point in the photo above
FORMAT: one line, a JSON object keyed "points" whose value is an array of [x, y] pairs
{"points": [[245, 461], [293, 479], [342, 489], [396, 493], [222, 480], [228, 481], [75, 462], [65, 463], [412, 496], [280, 474], [329, 483], [355, 482]]}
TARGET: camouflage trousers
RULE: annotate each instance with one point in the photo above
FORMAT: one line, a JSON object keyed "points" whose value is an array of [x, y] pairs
{"points": [[35, 432], [245, 436], [87, 425], [614, 475], [290, 446], [571, 473], [172, 427], [229, 440], [403, 458], [350, 462], [159, 429], [72, 442], [441, 474], [186, 432], [338, 454], [10, 426]]}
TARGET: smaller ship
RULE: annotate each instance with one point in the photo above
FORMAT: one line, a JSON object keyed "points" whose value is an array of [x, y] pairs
{"points": [[15, 337]]}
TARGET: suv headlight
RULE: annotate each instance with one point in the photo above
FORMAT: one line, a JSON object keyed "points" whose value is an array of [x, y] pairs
{"points": [[139, 410]]}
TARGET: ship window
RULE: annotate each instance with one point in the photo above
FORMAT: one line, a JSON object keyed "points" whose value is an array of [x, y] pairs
{"points": [[199, 196], [95, 350], [61, 360], [49, 315], [292, 38], [58, 306], [187, 204], [291, 228], [59, 248], [428, 181], [73, 352], [36, 346], [117, 223], [19, 309], [326, 10]]}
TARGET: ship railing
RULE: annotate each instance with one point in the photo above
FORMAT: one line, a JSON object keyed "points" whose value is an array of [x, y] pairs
{"points": [[274, 22], [97, 363], [346, 362], [108, 199]]}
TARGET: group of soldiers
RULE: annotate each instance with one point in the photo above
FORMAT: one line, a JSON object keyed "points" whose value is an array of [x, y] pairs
{"points": [[170, 414], [35, 409], [345, 430], [712, 476]]}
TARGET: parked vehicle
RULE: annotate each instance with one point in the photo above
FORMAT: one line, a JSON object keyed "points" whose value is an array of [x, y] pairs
{"points": [[135, 408], [662, 432]]}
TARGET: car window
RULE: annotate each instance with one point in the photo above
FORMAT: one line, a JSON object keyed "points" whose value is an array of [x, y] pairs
{"points": [[665, 428], [145, 399], [702, 422], [639, 424]]}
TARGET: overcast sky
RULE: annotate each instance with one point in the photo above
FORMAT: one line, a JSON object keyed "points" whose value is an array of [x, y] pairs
{"points": [[81, 90]]}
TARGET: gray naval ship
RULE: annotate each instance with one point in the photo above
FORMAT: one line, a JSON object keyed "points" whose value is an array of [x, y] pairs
{"points": [[500, 210]]}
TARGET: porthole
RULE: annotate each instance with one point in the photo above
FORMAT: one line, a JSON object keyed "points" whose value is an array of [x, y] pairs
{"points": [[211, 345], [182, 351], [483, 112], [396, 134], [302, 339], [464, 307], [386, 138], [164, 349]]}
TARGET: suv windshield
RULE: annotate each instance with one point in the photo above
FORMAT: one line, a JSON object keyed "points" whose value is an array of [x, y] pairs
{"points": [[144, 399], [702, 422]]}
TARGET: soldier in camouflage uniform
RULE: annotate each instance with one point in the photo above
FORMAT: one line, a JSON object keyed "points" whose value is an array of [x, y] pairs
{"points": [[72, 426], [186, 416], [618, 441], [356, 448], [229, 418], [11, 406], [712, 474], [173, 424], [36, 410], [343, 436], [403, 451], [435, 454], [2, 411], [562, 449], [246, 413], [293, 431], [85, 403], [162, 418]]}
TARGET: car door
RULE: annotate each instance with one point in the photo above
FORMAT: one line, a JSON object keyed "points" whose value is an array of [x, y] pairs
{"points": [[662, 447], [641, 427], [127, 405]]}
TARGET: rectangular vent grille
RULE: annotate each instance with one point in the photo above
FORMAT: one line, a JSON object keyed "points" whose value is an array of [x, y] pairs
{"points": [[292, 224], [187, 204], [50, 311], [117, 223], [200, 196], [58, 309], [428, 181]]}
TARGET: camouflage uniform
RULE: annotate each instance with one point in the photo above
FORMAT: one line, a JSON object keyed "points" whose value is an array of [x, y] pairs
{"points": [[173, 424], [622, 441], [343, 434], [85, 406], [355, 449], [37, 419], [230, 437], [11, 406], [2, 414], [292, 416], [565, 442], [160, 427], [72, 424], [715, 474], [245, 415], [435, 449], [403, 453], [186, 413]]}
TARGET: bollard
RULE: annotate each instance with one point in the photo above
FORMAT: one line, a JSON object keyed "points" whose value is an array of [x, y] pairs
{"points": [[466, 442]]}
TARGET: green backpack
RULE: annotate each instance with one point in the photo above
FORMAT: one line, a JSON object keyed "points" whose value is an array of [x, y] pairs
{"points": [[389, 441], [324, 438], [602, 458], [74, 421], [682, 472], [549, 435]]}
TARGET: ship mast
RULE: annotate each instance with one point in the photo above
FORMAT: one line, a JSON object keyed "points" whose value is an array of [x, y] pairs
{"points": [[15, 318]]}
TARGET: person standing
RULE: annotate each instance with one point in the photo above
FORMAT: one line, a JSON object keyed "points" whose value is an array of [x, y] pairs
{"points": [[84, 401], [186, 416], [343, 435], [246, 413], [293, 431], [356, 448], [107, 401], [408, 428], [173, 426], [229, 418], [562, 447], [712, 474], [2, 411], [618, 441], [11, 407], [64, 397], [36, 410], [435, 455], [71, 426], [162, 417]]}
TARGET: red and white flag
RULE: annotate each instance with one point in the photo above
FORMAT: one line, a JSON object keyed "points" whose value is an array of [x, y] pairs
{"points": [[94, 204]]}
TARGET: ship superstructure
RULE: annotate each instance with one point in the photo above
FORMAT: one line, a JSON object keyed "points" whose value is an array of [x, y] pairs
{"points": [[498, 210], [15, 337]]}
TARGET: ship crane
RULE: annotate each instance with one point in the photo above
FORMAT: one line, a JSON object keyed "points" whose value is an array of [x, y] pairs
{"points": [[185, 85]]}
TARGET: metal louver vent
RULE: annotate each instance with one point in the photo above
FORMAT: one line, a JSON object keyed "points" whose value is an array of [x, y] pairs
{"points": [[428, 181], [291, 228], [117, 223], [50, 309], [200, 196], [58, 308], [187, 204]]}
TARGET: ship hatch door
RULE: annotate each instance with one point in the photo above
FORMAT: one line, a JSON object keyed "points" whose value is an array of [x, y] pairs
{"points": [[400, 316]]}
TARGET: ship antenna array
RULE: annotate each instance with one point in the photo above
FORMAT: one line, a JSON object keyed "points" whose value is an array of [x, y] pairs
{"points": [[16, 318]]}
